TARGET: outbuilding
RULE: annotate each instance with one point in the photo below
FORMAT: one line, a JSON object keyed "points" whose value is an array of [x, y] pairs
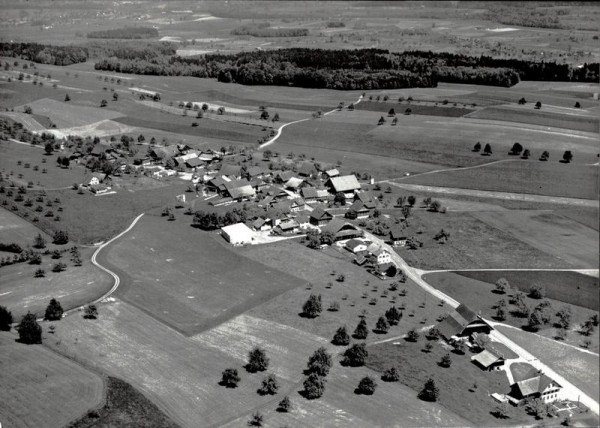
{"points": [[237, 234]]}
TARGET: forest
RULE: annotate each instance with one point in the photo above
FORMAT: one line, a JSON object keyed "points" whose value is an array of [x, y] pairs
{"points": [[125, 33], [266, 31]]}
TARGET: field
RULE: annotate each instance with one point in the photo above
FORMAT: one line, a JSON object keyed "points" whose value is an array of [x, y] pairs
{"points": [[42, 388], [569, 287], [480, 296], [15, 229]]}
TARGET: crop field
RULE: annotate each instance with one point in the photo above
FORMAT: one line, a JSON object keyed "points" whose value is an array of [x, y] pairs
{"points": [[14, 229], [548, 232], [473, 244], [480, 296], [42, 388], [418, 108], [187, 278], [580, 368], [66, 115], [570, 287]]}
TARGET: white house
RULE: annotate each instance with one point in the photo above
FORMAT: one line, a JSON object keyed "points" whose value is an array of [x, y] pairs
{"points": [[382, 256], [237, 234], [355, 245]]}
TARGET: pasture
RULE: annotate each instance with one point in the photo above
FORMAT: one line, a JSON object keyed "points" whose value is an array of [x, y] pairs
{"points": [[42, 388], [14, 229], [188, 278], [66, 114], [480, 296], [579, 368]]}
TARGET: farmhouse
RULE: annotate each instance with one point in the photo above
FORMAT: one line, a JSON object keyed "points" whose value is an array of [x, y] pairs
{"points": [[540, 386], [237, 234], [233, 172], [194, 162], [355, 245], [359, 209], [240, 193], [164, 153], [95, 179], [255, 172], [262, 224], [294, 183], [330, 173], [382, 256], [397, 237], [303, 221], [462, 322], [297, 204], [342, 230], [488, 360], [368, 200], [320, 217], [283, 176], [306, 169], [346, 184]]}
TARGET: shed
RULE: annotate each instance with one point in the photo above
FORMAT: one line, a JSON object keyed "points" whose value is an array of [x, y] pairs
{"points": [[345, 184], [355, 245], [237, 234], [488, 360]]}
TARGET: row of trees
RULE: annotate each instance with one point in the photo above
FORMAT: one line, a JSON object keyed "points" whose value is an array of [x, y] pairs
{"points": [[212, 221], [124, 33], [266, 31]]}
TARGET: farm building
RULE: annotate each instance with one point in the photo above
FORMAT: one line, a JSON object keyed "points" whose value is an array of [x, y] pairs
{"points": [[355, 245], [540, 386], [330, 173], [255, 172], [306, 169], [95, 179], [368, 200], [342, 230], [245, 192], [216, 185], [488, 360], [462, 322], [231, 171], [320, 217], [386, 269], [164, 152], [297, 204], [99, 189], [397, 237], [237, 234], [382, 256], [287, 226], [283, 176], [294, 183], [303, 221], [359, 209], [194, 162], [262, 224], [346, 184]]}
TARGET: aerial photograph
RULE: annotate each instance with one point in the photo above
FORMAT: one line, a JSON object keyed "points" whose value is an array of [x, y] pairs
{"points": [[254, 213]]}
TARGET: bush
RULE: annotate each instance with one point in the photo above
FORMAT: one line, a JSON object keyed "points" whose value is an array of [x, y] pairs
{"points": [[361, 331], [429, 392], [256, 420], [367, 386], [537, 291], [39, 273], [60, 237], [319, 362], [54, 311], [341, 337], [382, 325], [412, 335], [90, 312], [229, 378], [269, 385], [30, 332], [59, 267], [314, 386], [257, 360], [6, 319], [312, 307], [356, 355], [284, 405], [391, 375]]}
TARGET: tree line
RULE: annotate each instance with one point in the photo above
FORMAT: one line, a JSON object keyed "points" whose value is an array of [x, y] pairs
{"points": [[266, 31], [124, 33], [212, 221]]}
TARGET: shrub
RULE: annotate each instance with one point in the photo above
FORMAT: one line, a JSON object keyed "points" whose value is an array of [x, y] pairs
{"points": [[6, 319], [312, 307], [391, 375], [412, 335], [229, 378], [39, 273], [361, 331], [356, 355], [429, 392], [54, 311], [269, 385], [341, 337], [257, 360], [30, 332], [90, 312], [59, 267], [537, 291], [367, 386], [256, 420], [284, 405], [319, 362], [314, 386], [382, 325]]}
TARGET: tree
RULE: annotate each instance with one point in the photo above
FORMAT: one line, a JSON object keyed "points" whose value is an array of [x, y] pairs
{"points": [[522, 101], [391, 113], [564, 317], [394, 121], [481, 340], [275, 117], [39, 242], [538, 105], [257, 360], [460, 347], [500, 313], [60, 237], [49, 148], [567, 156], [319, 362], [327, 237], [361, 330], [256, 420], [516, 149], [264, 115], [382, 326], [429, 392], [487, 150], [477, 147], [412, 335], [535, 320], [67, 98], [90, 312], [526, 154], [446, 361], [340, 198], [30, 332], [367, 386], [411, 200], [502, 285], [356, 355], [408, 111], [435, 206], [6, 319], [381, 121], [204, 107], [391, 375], [269, 385], [500, 411], [221, 110], [314, 386], [577, 105], [537, 291], [103, 103], [341, 337], [545, 156], [229, 378], [312, 307], [115, 96], [393, 316], [284, 405], [54, 311]]}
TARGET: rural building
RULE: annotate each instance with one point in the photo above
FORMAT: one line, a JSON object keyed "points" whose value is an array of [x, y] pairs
{"points": [[245, 192], [262, 224], [297, 204], [488, 360], [95, 179], [368, 200], [462, 322], [164, 153], [342, 230], [306, 169], [386, 269], [294, 183], [303, 221], [283, 176], [359, 209], [194, 162], [355, 245], [255, 172], [216, 185], [540, 386], [330, 173], [320, 217], [346, 184], [287, 226], [397, 237], [99, 189], [237, 234], [309, 194], [382, 256], [233, 172]]}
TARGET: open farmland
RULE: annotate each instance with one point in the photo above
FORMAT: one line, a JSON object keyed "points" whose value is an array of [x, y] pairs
{"points": [[42, 388], [188, 279], [14, 229], [66, 115]]}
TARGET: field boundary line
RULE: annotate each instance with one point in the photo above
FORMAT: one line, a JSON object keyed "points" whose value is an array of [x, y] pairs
{"points": [[589, 272]]}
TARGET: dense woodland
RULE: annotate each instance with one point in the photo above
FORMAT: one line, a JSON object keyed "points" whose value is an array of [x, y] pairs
{"points": [[125, 33], [526, 15], [266, 31]]}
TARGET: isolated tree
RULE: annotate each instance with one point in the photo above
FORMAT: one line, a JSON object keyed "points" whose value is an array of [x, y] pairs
{"points": [[257, 360], [313, 306], [103, 103], [516, 149], [477, 147], [394, 121], [526, 154], [54, 311], [256, 420], [391, 113], [361, 331], [275, 117], [39, 242], [60, 237], [230, 378], [284, 405], [391, 375], [48, 148], [341, 337], [393, 316], [382, 326], [487, 150], [269, 385], [538, 105], [408, 111], [356, 355], [577, 105], [567, 156], [90, 312], [264, 115], [381, 121], [30, 332], [67, 98], [545, 156], [446, 361], [314, 386], [412, 335], [522, 101], [411, 200], [115, 96], [500, 313], [429, 392], [6, 318], [319, 362], [435, 206], [367, 386], [502, 285]]}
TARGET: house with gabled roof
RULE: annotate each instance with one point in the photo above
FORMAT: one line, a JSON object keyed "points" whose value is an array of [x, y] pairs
{"points": [[294, 183], [488, 360], [194, 162], [330, 173], [320, 217], [359, 209], [355, 245], [309, 194], [165, 152], [216, 184], [538, 387], [95, 179], [297, 204], [255, 172], [346, 184], [342, 230], [397, 236], [283, 176], [303, 221], [242, 193], [368, 200], [262, 224], [462, 322], [231, 171], [382, 256], [306, 169]]}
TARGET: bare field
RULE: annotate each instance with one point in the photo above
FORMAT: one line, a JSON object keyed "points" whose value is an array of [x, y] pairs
{"points": [[15, 229], [42, 388], [186, 277], [65, 115]]}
